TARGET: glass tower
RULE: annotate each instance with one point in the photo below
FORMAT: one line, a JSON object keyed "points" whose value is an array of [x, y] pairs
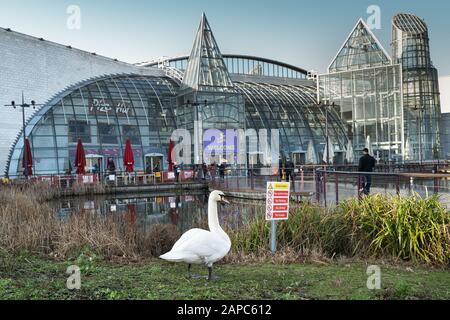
{"points": [[207, 98], [421, 99]]}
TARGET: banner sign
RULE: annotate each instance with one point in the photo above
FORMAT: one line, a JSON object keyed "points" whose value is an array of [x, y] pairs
{"points": [[277, 202], [102, 107]]}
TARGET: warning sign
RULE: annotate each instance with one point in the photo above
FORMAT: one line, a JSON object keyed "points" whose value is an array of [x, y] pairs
{"points": [[277, 203]]}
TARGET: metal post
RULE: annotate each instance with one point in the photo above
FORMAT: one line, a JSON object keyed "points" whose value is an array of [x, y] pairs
{"points": [[302, 184], [325, 188], [359, 183], [398, 185], [273, 242], [328, 140], [24, 137], [436, 186], [317, 180], [337, 188], [252, 181]]}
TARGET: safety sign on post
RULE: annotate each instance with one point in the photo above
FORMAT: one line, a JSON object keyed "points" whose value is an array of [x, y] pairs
{"points": [[277, 207], [277, 203]]}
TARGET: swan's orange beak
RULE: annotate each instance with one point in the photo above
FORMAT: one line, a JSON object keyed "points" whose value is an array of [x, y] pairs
{"points": [[223, 200]]}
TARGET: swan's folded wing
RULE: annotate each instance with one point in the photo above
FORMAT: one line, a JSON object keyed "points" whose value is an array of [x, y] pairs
{"points": [[188, 236], [203, 244]]}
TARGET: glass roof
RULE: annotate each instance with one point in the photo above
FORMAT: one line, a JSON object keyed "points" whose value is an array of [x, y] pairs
{"points": [[206, 70], [360, 50]]}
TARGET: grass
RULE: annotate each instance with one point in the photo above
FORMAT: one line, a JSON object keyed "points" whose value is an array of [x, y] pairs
{"points": [[37, 278], [384, 227]]}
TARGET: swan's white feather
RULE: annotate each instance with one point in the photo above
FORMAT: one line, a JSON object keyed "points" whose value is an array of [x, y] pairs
{"points": [[200, 246]]}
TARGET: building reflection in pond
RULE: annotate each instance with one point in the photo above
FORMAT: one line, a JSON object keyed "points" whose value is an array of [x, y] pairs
{"points": [[184, 211]]}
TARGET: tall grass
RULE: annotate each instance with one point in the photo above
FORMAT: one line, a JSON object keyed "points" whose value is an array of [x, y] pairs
{"points": [[408, 228], [28, 223], [378, 226]]}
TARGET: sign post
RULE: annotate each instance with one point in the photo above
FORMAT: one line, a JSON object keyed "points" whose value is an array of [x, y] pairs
{"points": [[277, 206]]}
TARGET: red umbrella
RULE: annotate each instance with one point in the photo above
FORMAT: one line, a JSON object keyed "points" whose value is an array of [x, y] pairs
{"points": [[28, 159], [169, 155], [80, 158], [128, 157]]}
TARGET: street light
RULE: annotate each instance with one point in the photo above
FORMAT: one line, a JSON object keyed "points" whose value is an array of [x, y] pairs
{"points": [[23, 106]]}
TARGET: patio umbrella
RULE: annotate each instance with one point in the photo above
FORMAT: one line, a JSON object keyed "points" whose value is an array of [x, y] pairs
{"points": [[329, 152], [169, 155], [128, 157], [80, 158], [28, 159], [369, 146], [350, 155], [311, 154]]}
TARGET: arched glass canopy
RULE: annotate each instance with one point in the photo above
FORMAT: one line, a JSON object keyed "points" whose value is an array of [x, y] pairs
{"points": [[104, 112]]}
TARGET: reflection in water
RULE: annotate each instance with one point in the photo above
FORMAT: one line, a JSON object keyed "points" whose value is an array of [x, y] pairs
{"points": [[184, 211]]}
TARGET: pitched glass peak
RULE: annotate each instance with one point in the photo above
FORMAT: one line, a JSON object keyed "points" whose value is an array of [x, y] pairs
{"points": [[206, 69], [361, 50]]}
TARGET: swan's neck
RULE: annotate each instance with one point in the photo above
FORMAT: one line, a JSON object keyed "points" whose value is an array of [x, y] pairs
{"points": [[213, 218]]}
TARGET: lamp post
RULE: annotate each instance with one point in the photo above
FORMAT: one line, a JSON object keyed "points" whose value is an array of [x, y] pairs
{"points": [[24, 106]]}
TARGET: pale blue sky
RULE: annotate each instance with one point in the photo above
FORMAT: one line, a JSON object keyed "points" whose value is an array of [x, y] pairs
{"points": [[304, 33]]}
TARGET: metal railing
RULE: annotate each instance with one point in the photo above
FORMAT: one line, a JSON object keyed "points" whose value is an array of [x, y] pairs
{"points": [[332, 186], [112, 179]]}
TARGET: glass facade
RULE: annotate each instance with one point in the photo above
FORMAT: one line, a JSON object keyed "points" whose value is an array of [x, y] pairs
{"points": [[244, 65], [421, 98], [365, 95], [369, 102], [366, 89], [102, 113]]}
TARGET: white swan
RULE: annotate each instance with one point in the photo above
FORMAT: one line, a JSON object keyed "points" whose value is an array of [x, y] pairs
{"points": [[199, 246]]}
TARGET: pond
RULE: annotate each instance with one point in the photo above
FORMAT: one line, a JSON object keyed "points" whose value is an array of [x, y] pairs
{"points": [[185, 211]]}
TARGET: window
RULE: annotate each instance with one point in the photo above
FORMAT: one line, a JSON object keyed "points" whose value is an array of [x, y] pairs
{"points": [[107, 133], [131, 132], [79, 130]]}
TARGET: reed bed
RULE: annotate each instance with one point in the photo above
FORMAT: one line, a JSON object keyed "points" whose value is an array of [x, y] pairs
{"points": [[406, 228]]}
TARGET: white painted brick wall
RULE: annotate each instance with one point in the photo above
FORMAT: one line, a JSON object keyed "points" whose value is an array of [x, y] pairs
{"points": [[42, 69]]}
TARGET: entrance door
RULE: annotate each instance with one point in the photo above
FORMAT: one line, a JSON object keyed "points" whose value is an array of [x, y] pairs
{"points": [[94, 163], [154, 163]]}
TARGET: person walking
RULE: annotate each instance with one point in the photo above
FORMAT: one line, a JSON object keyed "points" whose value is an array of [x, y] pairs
{"points": [[289, 170], [366, 164]]}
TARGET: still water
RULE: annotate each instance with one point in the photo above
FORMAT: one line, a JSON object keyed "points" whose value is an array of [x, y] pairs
{"points": [[186, 211]]}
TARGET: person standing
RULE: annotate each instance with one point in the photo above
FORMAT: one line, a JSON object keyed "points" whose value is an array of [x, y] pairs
{"points": [[111, 166], [222, 169], [289, 171], [280, 168], [366, 164]]}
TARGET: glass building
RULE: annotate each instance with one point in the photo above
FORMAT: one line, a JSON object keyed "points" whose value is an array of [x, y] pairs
{"points": [[235, 92], [390, 103], [366, 97]]}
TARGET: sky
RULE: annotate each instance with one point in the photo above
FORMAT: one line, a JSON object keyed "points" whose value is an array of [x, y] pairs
{"points": [[304, 33]]}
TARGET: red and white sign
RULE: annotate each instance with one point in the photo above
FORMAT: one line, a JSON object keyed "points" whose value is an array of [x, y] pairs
{"points": [[277, 203]]}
